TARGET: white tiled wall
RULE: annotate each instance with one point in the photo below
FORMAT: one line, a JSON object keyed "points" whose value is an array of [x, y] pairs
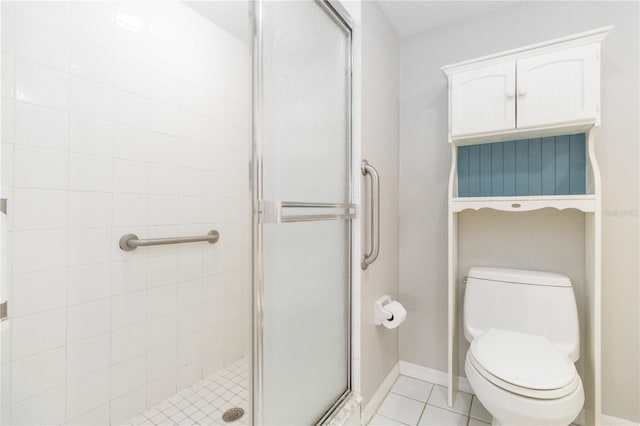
{"points": [[120, 117]]}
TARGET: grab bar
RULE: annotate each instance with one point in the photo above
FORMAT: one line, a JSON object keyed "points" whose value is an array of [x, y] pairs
{"points": [[129, 242], [372, 255]]}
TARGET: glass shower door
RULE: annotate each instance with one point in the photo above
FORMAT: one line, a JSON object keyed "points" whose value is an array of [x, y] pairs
{"points": [[303, 205]]}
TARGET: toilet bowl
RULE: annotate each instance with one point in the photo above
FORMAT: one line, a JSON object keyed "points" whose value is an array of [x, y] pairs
{"points": [[523, 380], [524, 334]]}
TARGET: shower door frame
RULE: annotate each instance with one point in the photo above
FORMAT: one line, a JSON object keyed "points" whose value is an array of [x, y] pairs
{"points": [[344, 21]]}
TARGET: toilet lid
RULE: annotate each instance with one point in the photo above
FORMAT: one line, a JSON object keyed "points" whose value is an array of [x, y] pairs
{"points": [[523, 360], [518, 390]]}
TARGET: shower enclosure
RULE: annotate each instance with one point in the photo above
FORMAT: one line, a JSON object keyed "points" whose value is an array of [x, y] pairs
{"points": [[177, 202], [302, 211]]}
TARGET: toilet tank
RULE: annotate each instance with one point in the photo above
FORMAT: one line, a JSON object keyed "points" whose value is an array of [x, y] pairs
{"points": [[532, 302]]}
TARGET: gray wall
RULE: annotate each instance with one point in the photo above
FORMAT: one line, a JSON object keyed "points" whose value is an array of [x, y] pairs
{"points": [[380, 80], [424, 167]]}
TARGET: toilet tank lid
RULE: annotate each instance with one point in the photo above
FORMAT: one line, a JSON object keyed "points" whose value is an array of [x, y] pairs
{"points": [[519, 276]]}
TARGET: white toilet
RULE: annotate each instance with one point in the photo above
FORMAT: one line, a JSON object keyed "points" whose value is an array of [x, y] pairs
{"points": [[524, 335]]}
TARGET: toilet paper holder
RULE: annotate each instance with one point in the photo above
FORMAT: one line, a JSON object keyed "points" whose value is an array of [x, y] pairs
{"points": [[379, 312]]}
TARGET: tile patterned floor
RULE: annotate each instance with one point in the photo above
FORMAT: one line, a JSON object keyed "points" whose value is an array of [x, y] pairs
{"points": [[415, 402], [204, 402]]}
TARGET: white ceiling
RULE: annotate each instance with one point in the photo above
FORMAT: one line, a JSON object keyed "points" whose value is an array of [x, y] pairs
{"points": [[231, 15], [413, 17], [408, 17]]}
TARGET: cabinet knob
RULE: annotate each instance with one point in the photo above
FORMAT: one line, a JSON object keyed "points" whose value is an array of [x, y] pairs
{"points": [[510, 93], [522, 91]]}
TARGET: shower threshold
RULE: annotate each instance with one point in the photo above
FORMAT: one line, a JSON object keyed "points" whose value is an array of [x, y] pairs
{"points": [[205, 402]]}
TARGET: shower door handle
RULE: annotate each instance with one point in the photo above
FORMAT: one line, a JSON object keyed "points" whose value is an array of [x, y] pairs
{"points": [[305, 211], [371, 256]]}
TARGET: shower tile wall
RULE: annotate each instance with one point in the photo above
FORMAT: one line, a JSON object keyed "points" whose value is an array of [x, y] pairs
{"points": [[117, 118]]}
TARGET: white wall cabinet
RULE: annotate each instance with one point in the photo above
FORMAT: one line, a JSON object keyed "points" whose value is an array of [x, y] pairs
{"points": [[559, 87], [548, 89], [483, 99], [537, 91]]}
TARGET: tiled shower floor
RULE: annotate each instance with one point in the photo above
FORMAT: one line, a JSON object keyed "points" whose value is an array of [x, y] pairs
{"points": [[204, 402]]}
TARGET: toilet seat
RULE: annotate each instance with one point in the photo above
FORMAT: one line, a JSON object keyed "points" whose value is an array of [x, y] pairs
{"points": [[523, 364]]}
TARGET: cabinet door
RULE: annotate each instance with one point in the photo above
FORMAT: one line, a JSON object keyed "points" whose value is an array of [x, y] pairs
{"points": [[482, 100], [559, 87]]}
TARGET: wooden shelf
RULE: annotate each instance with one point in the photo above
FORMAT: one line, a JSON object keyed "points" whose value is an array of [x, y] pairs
{"points": [[585, 203]]}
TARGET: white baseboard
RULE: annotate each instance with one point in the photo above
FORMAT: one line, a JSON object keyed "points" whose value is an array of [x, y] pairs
{"points": [[607, 420], [372, 406], [434, 376]]}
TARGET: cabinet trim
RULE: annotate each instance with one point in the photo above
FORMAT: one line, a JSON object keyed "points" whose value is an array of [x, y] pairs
{"points": [[582, 126], [585, 203], [587, 37]]}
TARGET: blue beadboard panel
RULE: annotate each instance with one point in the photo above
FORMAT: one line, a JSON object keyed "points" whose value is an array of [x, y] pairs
{"points": [[562, 165], [522, 167], [548, 166], [538, 166], [577, 164], [497, 169], [535, 166], [509, 167], [474, 171], [463, 170], [485, 170]]}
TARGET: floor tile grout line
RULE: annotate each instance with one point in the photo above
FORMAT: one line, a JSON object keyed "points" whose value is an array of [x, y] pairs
{"points": [[390, 418], [424, 407], [467, 416], [406, 396], [427, 403], [476, 418]]}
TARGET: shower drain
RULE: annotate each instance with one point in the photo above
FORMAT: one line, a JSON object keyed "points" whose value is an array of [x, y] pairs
{"points": [[232, 414]]}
